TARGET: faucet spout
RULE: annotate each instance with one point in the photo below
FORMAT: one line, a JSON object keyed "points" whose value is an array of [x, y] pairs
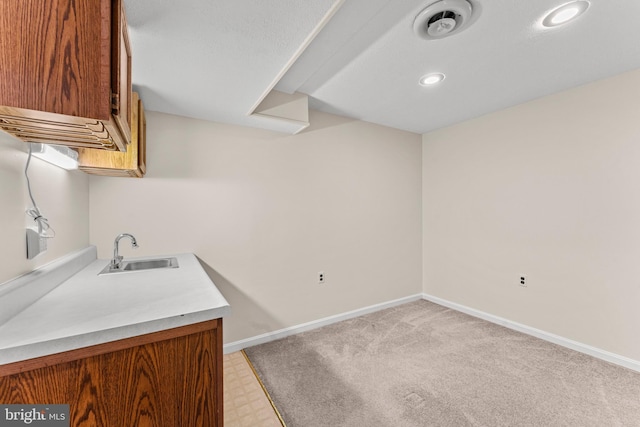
{"points": [[116, 261]]}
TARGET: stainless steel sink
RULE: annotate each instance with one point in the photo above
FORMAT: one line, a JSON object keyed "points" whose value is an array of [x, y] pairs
{"points": [[141, 264], [147, 264]]}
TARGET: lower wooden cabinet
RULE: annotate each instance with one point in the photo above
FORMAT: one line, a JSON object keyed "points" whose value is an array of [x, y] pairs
{"points": [[166, 379]]}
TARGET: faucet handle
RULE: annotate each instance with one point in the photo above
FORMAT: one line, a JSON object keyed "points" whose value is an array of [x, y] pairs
{"points": [[115, 262]]}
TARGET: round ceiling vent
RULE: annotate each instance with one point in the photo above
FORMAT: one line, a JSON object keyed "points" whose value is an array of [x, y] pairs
{"points": [[443, 18]]}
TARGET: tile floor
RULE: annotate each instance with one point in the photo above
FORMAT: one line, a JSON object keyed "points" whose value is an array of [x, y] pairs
{"points": [[245, 402]]}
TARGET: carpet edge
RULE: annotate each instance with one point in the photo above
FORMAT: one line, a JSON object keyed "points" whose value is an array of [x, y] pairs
{"points": [[293, 330], [598, 353], [264, 389]]}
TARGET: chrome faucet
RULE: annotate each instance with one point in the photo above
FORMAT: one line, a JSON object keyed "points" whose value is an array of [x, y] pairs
{"points": [[117, 259]]}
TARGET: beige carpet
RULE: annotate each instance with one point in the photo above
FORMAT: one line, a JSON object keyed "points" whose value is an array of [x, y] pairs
{"points": [[421, 364]]}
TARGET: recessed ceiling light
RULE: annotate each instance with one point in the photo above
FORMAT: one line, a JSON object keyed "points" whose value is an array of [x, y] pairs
{"points": [[431, 79], [565, 13]]}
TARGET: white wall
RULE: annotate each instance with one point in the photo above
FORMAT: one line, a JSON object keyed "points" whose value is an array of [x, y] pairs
{"points": [[62, 196], [265, 212], [551, 189]]}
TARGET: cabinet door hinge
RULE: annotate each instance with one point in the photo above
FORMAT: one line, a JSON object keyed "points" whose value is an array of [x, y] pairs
{"points": [[115, 103]]}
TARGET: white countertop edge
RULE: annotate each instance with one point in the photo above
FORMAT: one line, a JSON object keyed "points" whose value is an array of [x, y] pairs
{"points": [[48, 348]]}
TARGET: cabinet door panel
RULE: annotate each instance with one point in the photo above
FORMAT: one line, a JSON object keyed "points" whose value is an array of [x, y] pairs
{"points": [[56, 56], [144, 395], [172, 382], [86, 401]]}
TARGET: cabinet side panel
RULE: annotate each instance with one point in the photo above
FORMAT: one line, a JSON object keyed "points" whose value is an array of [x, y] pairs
{"points": [[116, 163], [53, 55], [142, 138], [121, 70]]}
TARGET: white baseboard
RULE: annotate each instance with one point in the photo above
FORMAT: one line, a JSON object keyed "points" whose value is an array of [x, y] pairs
{"points": [[573, 345], [282, 333], [556, 339]]}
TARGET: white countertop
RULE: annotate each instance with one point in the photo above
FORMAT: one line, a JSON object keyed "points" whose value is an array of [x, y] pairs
{"points": [[88, 309]]}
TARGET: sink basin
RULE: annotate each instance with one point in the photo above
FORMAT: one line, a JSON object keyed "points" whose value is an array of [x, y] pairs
{"points": [[147, 264], [141, 265]]}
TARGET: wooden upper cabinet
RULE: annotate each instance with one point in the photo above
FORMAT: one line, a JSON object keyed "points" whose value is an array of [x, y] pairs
{"points": [[121, 102], [65, 72], [116, 163]]}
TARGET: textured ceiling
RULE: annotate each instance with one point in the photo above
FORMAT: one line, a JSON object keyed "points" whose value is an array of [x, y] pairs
{"points": [[216, 60]]}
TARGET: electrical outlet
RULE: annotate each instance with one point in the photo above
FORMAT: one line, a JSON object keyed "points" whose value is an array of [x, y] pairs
{"points": [[523, 280], [36, 244], [320, 277]]}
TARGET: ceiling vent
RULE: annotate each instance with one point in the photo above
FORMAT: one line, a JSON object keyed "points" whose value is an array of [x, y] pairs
{"points": [[442, 19]]}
